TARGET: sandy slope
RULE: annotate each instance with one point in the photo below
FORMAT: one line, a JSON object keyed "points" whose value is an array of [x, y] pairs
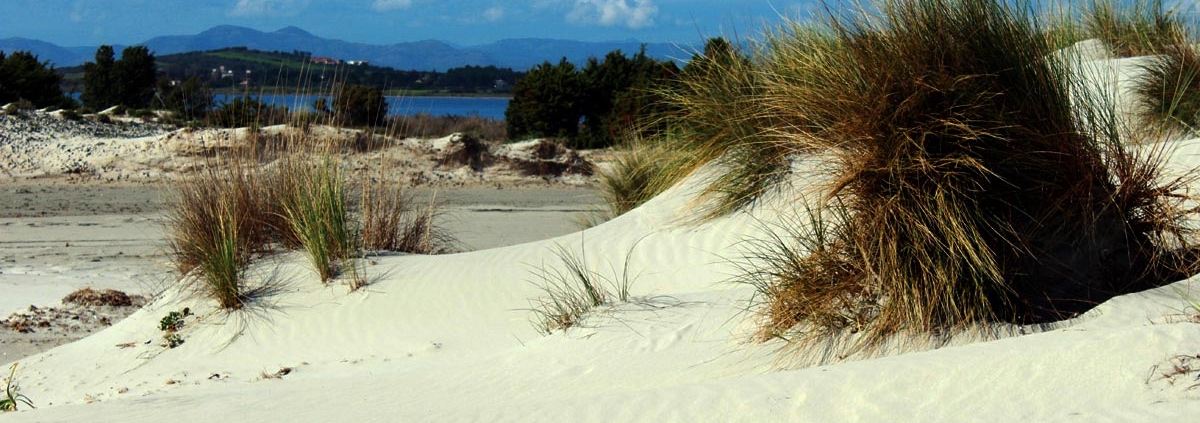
{"points": [[447, 338]]}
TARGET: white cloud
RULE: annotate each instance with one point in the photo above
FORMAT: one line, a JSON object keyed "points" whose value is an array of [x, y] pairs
{"points": [[268, 7], [386, 5], [493, 13], [614, 13]]}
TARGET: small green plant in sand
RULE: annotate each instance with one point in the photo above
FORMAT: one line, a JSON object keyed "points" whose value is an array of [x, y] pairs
{"points": [[171, 324], [12, 392], [571, 291]]}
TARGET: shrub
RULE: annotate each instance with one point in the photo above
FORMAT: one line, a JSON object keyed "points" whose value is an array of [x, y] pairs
{"points": [[423, 125], [360, 105], [71, 115], [965, 189], [171, 324], [19, 105], [189, 100], [247, 111]]}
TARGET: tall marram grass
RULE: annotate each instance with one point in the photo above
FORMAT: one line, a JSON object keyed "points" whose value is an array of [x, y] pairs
{"points": [[393, 221], [1169, 88], [1137, 28], [966, 188], [217, 219], [313, 196], [640, 171], [717, 116]]}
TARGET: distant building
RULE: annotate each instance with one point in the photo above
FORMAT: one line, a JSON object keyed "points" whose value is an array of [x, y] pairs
{"points": [[356, 62], [325, 61]]}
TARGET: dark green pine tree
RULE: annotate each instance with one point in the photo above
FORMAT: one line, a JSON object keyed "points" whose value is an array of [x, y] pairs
{"points": [[22, 77], [100, 88], [603, 81], [546, 103], [135, 77], [360, 105]]}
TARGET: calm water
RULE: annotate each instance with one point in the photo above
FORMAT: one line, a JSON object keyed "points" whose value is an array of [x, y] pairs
{"points": [[486, 107]]}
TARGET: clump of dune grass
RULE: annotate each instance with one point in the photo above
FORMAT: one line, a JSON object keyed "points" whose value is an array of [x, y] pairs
{"points": [[215, 224], [393, 221], [640, 171], [1170, 90], [1137, 28], [717, 117], [313, 198], [964, 188], [572, 290]]}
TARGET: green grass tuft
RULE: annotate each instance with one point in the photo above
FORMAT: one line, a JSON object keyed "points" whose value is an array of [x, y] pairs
{"points": [[1170, 90], [313, 199], [12, 392], [216, 221], [573, 290]]}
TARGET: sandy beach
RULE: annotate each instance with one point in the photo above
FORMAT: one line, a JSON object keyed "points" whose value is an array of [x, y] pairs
{"points": [[57, 237], [82, 204]]}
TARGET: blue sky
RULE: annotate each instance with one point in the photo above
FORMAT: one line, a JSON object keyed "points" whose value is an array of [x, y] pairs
{"points": [[465, 22]]}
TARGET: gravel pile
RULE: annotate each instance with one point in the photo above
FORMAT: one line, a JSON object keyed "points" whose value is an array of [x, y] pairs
{"points": [[36, 143]]}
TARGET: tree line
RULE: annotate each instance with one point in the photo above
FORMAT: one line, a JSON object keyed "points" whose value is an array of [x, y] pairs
{"points": [[132, 82], [229, 68], [588, 107]]}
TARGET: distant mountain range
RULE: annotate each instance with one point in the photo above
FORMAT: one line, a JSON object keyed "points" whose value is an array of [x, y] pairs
{"points": [[519, 54]]}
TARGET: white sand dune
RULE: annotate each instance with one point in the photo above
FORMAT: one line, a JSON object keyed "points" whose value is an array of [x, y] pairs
{"points": [[448, 338]]}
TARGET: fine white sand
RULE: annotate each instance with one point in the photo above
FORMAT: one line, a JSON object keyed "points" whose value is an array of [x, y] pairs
{"points": [[449, 338]]}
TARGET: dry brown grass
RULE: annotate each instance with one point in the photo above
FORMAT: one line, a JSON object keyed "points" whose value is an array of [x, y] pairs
{"points": [[428, 126], [1170, 90], [1137, 28], [217, 219], [392, 220]]}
